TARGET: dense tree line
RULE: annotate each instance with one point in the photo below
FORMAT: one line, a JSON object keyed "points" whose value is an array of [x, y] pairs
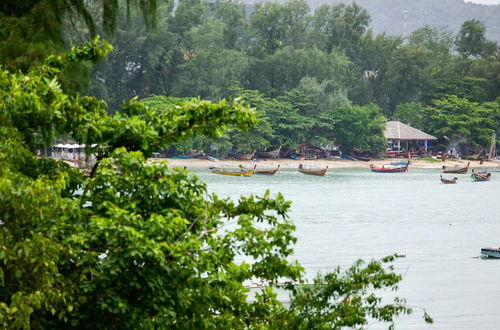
{"points": [[308, 66], [302, 69]]}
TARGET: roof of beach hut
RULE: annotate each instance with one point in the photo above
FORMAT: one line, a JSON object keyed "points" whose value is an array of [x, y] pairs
{"points": [[395, 130]]}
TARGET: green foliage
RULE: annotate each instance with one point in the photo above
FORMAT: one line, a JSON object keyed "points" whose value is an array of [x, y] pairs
{"points": [[32, 30], [340, 27], [438, 41], [279, 25], [412, 114], [406, 75], [474, 89], [471, 39], [358, 126], [137, 244], [305, 64], [459, 119], [288, 124]]}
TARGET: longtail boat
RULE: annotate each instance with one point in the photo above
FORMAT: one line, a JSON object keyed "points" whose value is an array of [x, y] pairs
{"points": [[264, 170], [269, 154], [448, 181], [347, 157], [246, 156], [389, 168], [312, 171], [364, 159], [456, 170], [233, 172], [480, 176]]}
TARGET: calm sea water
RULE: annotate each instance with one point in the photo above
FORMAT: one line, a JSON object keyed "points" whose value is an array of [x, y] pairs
{"points": [[353, 213]]}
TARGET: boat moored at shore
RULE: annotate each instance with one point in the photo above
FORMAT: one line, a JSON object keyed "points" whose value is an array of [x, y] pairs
{"points": [[311, 170], [456, 169]]}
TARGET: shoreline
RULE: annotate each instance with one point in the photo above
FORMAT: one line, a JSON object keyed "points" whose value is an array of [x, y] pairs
{"points": [[286, 163]]}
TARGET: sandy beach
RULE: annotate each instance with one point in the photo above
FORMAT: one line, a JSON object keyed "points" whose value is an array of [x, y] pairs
{"points": [[331, 163]]}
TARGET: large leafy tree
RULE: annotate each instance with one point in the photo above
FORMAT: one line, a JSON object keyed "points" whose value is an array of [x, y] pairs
{"points": [[139, 245], [471, 40], [339, 27], [460, 119], [358, 126]]}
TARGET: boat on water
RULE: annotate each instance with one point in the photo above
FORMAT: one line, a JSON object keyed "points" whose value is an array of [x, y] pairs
{"points": [[456, 169], [269, 154], [231, 171], [390, 168], [490, 252], [480, 176], [310, 170], [263, 170], [448, 181]]}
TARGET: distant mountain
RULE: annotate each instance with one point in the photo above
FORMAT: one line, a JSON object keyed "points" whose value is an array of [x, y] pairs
{"points": [[388, 15]]}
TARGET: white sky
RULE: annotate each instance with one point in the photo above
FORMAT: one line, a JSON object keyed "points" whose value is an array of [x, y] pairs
{"points": [[485, 2]]}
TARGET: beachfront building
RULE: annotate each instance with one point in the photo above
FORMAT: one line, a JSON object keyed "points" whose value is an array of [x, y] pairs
{"points": [[74, 153], [400, 136]]}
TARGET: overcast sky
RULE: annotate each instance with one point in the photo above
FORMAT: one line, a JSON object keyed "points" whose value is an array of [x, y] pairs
{"points": [[485, 2]]}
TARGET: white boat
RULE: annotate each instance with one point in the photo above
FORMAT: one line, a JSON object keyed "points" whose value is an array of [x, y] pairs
{"points": [[491, 252]]}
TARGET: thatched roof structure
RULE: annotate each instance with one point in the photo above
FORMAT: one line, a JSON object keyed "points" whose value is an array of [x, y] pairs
{"points": [[395, 130]]}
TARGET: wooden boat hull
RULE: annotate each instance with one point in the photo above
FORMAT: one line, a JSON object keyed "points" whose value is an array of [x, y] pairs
{"points": [[321, 172], [264, 171], [232, 173], [490, 252], [267, 171], [269, 154], [398, 169], [462, 170], [363, 159], [480, 177], [246, 156], [389, 170], [448, 181]]}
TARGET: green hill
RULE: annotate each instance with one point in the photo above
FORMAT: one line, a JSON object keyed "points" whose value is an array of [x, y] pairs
{"points": [[388, 15]]}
